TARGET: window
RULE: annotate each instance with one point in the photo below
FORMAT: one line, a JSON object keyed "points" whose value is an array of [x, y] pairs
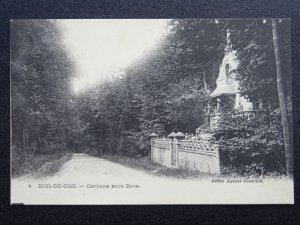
{"points": [[227, 74]]}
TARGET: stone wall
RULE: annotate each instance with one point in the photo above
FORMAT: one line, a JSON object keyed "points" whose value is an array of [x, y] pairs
{"points": [[199, 161], [161, 152]]}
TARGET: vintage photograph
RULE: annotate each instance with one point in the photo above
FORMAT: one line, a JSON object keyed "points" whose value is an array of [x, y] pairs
{"points": [[151, 111]]}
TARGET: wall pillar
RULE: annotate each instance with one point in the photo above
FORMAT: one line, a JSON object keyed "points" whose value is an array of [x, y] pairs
{"points": [[218, 163], [153, 137], [179, 136], [171, 136]]}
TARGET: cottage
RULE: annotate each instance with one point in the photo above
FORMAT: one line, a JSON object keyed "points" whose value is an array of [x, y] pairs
{"points": [[226, 96]]}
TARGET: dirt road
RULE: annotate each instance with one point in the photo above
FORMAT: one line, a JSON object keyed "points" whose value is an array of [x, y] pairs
{"points": [[89, 180]]}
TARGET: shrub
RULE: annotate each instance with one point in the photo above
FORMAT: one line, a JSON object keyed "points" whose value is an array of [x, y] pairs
{"points": [[251, 146]]}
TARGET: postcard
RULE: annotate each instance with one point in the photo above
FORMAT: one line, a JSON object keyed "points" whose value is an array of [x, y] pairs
{"points": [[151, 111]]}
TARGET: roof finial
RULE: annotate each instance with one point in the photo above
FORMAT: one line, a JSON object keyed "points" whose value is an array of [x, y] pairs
{"points": [[228, 39]]}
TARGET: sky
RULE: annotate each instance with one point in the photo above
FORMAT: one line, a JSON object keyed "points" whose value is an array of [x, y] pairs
{"points": [[105, 47]]}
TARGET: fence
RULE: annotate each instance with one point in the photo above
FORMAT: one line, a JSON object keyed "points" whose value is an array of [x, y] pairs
{"points": [[178, 152]]}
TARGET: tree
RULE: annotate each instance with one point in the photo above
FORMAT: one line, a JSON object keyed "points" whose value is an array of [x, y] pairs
{"points": [[282, 102], [253, 41], [164, 91], [41, 73]]}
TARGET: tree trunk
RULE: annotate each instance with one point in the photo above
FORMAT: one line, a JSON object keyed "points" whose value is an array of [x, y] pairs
{"points": [[282, 103], [17, 141], [268, 112], [204, 81], [23, 155]]}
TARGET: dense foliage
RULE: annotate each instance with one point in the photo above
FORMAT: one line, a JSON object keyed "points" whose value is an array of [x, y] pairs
{"points": [[257, 70], [250, 145], [165, 91], [41, 72], [255, 145]]}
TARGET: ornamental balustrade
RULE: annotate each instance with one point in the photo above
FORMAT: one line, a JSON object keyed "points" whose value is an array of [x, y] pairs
{"points": [[180, 152], [161, 143], [204, 147]]}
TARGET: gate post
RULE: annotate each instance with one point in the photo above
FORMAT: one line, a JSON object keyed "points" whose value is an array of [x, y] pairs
{"points": [[178, 136], [216, 148], [153, 136], [172, 146]]}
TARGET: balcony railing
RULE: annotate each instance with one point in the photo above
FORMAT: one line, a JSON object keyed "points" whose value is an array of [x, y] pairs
{"points": [[249, 114]]}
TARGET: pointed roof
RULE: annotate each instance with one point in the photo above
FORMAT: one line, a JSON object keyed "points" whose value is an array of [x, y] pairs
{"points": [[179, 135], [171, 135], [223, 90], [224, 87], [153, 134]]}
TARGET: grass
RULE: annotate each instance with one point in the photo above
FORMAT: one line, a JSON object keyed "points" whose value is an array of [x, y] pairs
{"points": [[50, 168], [45, 164], [146, 165]]}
